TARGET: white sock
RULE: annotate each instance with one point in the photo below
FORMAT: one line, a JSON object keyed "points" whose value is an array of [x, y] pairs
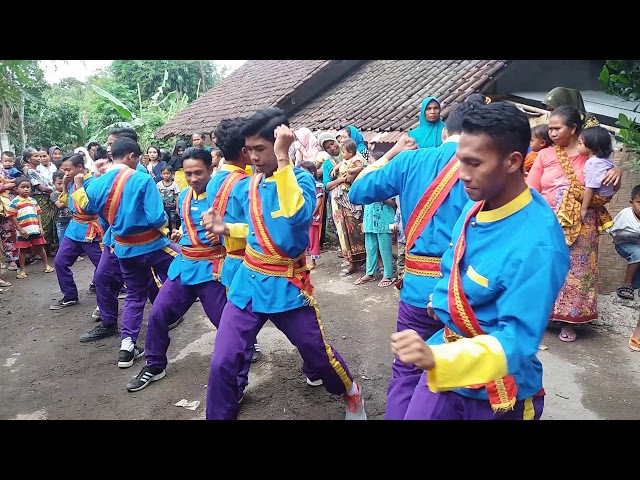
{"points": [[353, 390], [127, 344]]}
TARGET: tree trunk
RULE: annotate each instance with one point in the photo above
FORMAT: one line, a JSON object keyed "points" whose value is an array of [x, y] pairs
{"points": [[23, 135], [204, 86]]}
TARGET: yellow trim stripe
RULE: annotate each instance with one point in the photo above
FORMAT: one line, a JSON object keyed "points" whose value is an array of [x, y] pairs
{"points": [[529, 412], [335, 364], [170, 251], [155, 278], [476, 277]]}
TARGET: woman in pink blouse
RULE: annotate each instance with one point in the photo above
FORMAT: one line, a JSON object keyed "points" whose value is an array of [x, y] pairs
{"points": [[558, 174]]}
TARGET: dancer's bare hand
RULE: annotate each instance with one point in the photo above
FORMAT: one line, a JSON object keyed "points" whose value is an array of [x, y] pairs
{"points": [[409, 347], [284, 138]]}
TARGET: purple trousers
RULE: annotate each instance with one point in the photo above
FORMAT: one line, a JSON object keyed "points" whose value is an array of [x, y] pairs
{"points": [[136, 273], [426, 405], [67, 255], [232, 353], [108, 280], [405, 376]]}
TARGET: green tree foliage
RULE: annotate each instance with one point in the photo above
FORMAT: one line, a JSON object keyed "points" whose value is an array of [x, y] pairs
{"points": [[622, 78], [187, 77]]}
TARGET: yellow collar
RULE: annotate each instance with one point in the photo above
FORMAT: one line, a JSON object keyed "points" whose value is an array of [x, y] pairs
{"points": [[87, 175], [195, 196], [227, 167], [508, 209]]}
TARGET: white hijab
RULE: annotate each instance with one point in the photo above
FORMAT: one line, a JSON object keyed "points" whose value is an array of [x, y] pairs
{"points": [[88, 161]]}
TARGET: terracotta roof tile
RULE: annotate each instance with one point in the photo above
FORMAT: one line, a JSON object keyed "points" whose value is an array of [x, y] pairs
{"points": [[377, 96]]}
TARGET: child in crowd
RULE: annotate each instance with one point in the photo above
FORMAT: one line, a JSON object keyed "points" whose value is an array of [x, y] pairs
{"points": [[351, 160], [626, 240], [9, 164], [7, 229], [101, 162], [596, 143], [216, 156], [61, 214], [169, 191], [539, 139], [26, 216], [316, 225]]}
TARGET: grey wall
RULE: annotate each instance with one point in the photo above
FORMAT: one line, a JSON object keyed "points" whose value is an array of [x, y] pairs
{"points": [[543, 75]]}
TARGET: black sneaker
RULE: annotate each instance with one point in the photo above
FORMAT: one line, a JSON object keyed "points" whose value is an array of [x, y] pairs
{"points": [[96, 315], [126, 357], [176, 323], [257, 354], [101, 331], [60, 304], [146, 375], [92, 288]]}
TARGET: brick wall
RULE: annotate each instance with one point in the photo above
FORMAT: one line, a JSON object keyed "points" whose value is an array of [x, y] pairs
{"points": [[611, 266]]}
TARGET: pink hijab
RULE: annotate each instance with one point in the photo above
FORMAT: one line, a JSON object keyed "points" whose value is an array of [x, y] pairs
{"points": [[307, 145]]}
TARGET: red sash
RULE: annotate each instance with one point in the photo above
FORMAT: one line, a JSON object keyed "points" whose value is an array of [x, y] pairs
{"points": [[426, 208], [115, 194], [502, 393], [274, 261], [94, 229], [200, 250]]}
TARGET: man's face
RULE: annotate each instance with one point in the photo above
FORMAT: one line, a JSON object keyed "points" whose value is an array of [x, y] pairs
{"points": [[197, 174], [111, 139], [92, 151], [261, 154], [482, 171], [8, 162], [197, 140], [432, 112]]}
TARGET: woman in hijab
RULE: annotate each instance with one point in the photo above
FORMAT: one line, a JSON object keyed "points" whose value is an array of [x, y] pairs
{"points": [[347, 217], [88, 161], [306, 146], [428, 133], [354, 134], [175, 162], [55, 153], [570, 97]]}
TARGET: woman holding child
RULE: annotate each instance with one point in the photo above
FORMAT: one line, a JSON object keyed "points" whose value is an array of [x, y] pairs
{"points": [[558, 174]]}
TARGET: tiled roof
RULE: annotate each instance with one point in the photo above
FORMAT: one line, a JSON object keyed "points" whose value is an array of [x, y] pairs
{"points": [[256, 84], [382, 98]]}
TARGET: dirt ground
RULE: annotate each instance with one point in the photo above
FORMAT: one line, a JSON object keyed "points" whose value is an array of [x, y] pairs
{"points": [[46, 373]]}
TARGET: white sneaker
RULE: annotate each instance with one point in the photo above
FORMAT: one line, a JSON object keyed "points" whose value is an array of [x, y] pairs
{"points": [[355, 406], [314, 383]]}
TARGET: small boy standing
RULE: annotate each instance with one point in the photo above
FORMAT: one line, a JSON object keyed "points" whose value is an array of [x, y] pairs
{"points": [[61, 215], [626, 239], [169, 191], [25, 214]]}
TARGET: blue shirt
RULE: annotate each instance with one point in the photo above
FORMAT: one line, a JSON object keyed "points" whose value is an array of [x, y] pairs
{"points": [[289, 230], [192, 272], [409, 175], [140, 209], [235, 214], [77, 231], [512, 270]]}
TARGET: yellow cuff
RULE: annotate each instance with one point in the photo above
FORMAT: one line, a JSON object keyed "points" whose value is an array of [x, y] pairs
{"points": [[289, 193], [238, 230], [466, 362], [377, 165], [64, 198], [80, 196]]}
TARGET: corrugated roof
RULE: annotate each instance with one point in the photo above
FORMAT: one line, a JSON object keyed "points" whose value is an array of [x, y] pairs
{"points": [[256, 84], [382, 98]]}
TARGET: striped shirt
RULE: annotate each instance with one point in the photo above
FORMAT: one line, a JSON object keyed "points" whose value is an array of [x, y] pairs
{"points": [[26, 210]]}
